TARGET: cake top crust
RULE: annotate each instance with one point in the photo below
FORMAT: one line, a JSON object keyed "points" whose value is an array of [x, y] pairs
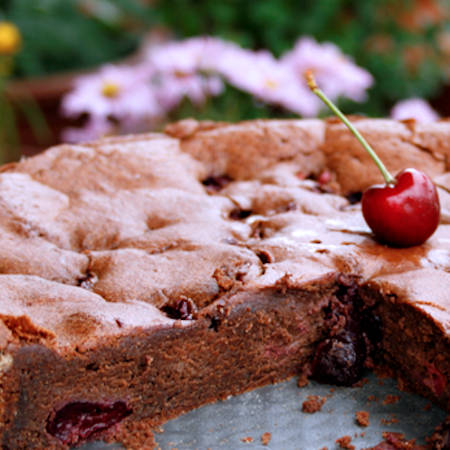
{"points": [[98, 239]]}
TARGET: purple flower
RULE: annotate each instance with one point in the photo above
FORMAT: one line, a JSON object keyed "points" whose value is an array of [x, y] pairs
{"points": [[116, 99], [112, 92], [414, 108], [336, 73], [200, 54], [185, 69], [263, 76], [130, 99], [172, 88], [94, 128]]}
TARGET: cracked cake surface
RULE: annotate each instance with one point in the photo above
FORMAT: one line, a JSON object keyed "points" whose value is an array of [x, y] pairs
{"points": [[100, 243]]}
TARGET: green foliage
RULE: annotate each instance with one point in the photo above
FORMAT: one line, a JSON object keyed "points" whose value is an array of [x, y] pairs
{"points": [[369, 31], [60, 35], [231, 106], [57, 36]]}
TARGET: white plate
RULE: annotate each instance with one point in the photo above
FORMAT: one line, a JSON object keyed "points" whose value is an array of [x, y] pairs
{"points": [[277, 409]]}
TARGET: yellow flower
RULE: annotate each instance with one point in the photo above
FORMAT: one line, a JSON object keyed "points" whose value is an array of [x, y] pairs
{"points": [[10, 38]]}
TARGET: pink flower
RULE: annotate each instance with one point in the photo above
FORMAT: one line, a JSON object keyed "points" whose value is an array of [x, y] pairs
{"points": [[95, 127], [187, 57], [185, 69], [172, 88], [129, 99], [115, 99], [112, 92], [414, 108], [263, 76], [336, 73]]}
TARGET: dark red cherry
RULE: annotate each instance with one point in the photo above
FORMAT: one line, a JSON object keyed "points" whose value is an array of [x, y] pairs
{"points": [[182, 309], [78, 421], [340, 360], [404, 213]]}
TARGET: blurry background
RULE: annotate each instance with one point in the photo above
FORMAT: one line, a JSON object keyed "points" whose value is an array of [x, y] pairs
{"points": [[54, 85]]}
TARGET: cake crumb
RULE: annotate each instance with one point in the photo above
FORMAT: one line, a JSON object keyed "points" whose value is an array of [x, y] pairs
{"points": [[362, 434], [362, 418], [324, 448], [383, 373], [427, 407], [441, 435], [247, 439], [265, 438], [391, 399], [361, 382], [402, 386], [344, 442], [398, 441], [313, 403], [302, 380], [390, 421], [372, 398], [6, 361]]}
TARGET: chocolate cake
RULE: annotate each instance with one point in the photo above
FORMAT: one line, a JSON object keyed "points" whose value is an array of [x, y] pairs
{"points": [[144, 276]]}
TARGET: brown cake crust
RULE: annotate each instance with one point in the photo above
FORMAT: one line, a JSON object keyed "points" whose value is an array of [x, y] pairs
{"points": [[101, 242], [245, 150], [398, 144]]}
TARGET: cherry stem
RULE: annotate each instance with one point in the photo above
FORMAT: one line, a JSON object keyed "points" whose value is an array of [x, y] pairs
{"points": [[315, 89]]}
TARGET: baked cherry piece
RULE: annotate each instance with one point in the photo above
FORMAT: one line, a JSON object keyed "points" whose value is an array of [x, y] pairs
{"points": [[78, 421], [340, 359], [405, 211], [182, 309]]}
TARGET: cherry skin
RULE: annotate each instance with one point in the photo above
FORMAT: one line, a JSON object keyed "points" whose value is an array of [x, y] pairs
{"points": [[405, 213]]}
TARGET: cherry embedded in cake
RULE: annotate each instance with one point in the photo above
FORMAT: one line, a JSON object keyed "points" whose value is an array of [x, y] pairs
{"points": [[144, 276], [79, 421]]}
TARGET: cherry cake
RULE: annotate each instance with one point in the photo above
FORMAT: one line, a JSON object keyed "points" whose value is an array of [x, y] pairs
{"points": [[144, 276]]}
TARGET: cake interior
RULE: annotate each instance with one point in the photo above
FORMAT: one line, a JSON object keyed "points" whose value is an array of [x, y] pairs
{"points": [[330, 331]]}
